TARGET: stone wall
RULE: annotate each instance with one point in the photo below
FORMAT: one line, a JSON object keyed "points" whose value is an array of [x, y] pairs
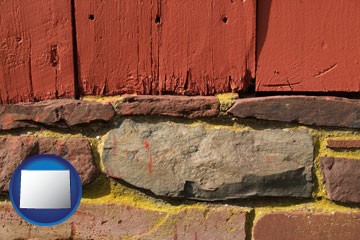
{"points": [[177, 167]]}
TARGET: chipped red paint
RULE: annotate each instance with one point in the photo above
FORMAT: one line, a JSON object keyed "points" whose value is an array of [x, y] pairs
{"points": [[150, 164], [147, 147]]}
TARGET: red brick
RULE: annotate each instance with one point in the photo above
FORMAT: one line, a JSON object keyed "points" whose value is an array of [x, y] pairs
{"points": [[308, 226], [343, 144], [308, 110], [15, 149], [116, 221], [176, 106], [342, 178], [225, 223], [89, 222]]}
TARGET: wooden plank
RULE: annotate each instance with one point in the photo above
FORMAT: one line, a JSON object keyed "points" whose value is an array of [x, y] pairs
{"points": [[163, 47], [306, 45], [114, 45], [206, 47], [36, 54]]}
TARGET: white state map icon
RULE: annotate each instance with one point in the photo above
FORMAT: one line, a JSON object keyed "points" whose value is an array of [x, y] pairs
{"points": [[45, 189]]}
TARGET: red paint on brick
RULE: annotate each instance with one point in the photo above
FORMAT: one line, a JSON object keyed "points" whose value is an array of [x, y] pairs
{"points": [[36, 50], [308, 45], [147, 147]]}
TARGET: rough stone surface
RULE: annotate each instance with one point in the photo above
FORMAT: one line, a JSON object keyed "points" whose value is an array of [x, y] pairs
{"points": [[343, 144], [342, 178], [59, 113], [307, 226], [325, 111], [109, 221], [179, 160], [15, 149], [176, 106]]}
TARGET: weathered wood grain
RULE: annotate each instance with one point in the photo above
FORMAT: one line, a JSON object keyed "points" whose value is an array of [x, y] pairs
{"points": [[114, 40], [36, 54], [165, 47], [308, 46], [206, 47]]}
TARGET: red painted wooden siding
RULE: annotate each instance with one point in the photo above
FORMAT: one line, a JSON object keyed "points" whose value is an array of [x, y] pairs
{"points": [[36, 54], [165, 46], [307, 45], [186, 47], [206, 47], [115, 42]]}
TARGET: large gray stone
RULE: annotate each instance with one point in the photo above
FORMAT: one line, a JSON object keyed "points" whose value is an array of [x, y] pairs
{"points": [[196, 162]]}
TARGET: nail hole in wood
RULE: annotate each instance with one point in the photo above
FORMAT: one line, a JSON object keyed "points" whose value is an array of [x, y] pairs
{"points": [[225, 19], [157, 20], [91, 17]]}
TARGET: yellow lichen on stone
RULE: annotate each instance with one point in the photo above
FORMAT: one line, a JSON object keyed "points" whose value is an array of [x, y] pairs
{"points": [[320, 150], [226, 100], [105, 99], [104, 190]]}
